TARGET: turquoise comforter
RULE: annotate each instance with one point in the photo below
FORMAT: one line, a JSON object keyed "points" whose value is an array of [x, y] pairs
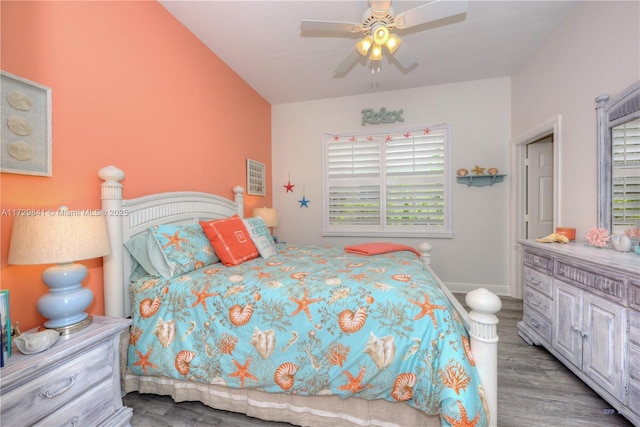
{"points": [[312, 320]]}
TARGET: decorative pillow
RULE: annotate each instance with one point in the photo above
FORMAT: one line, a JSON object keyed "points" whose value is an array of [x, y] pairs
{"points": [[141, 260], [260, 236], [184, 248], [230, 239]]}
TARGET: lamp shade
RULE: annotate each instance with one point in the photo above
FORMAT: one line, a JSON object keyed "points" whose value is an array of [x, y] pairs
{"points": [[61, 236], [268, 215]]}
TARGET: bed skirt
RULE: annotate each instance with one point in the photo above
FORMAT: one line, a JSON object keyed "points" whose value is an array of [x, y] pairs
{"points": [[316, 411]]}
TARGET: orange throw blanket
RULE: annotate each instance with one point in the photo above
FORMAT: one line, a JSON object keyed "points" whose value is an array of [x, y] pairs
{"points": [[375, 248]]}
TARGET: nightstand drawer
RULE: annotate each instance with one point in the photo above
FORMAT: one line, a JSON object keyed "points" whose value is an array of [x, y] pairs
{"points": [[52, 389], [538, 322], [90, 409], [538, 302], [538, 281]]}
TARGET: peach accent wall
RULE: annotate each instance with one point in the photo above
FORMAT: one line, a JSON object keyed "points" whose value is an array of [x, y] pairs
{"points": [[131, 87]]}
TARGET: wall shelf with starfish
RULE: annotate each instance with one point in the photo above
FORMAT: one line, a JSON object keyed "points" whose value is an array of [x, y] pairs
{"points": [[480, 180]]}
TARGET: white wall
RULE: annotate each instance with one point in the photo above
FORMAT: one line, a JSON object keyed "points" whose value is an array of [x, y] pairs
{"points": [[595, 51], [479, 115]]}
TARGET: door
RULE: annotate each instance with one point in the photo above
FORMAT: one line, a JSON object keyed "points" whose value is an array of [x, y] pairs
{"points": [[603, 346], [540, 188], [567, 322]]}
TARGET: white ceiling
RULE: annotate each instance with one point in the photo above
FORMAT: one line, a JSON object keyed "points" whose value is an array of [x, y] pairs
{"points": [[262, 42]]}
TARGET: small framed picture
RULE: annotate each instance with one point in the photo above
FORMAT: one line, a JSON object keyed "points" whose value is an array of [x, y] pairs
{"points": [[25, 138], [5, 321], [255, 178]]}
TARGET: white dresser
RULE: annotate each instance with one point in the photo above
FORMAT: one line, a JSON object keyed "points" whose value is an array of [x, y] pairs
{"points": [[74, 383], [583, 305]]}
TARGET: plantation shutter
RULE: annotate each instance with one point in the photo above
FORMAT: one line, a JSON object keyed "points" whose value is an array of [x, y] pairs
{"points": [[626, 175], [387, 183]]}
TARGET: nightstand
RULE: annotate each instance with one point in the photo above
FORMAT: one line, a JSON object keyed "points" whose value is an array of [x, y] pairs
{"points": [[76, 382]]}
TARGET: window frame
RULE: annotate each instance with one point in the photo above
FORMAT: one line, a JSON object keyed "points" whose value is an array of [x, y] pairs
{"points": [[384, 229]]}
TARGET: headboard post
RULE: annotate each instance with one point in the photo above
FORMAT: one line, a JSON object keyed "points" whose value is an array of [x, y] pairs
{"points": [[238, 197], [113, 267]]}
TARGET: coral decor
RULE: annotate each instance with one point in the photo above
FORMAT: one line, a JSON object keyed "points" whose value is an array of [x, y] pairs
{"points": [[598, 237]]}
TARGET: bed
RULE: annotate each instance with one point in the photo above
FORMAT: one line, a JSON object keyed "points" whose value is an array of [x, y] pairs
{"points": [[310, 335]]}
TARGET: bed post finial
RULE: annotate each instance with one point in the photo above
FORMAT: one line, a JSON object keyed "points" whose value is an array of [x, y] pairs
{"points": [[113, 266], [425, 249], [238, 197], [484, 343]]}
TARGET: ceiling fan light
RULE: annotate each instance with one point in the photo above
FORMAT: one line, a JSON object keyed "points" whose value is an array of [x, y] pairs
{"points": [[364, 45], [393, 43], [376, 53], [380, 34]]}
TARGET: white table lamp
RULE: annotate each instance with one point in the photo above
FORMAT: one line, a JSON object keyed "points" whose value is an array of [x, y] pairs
{"points": [[268, 215], [61, 237]]}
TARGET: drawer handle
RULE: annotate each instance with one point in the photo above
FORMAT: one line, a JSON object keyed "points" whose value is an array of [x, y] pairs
{"points": [[59, 392], [74, 421], [533, 300], [534, 322], [534, 281]]}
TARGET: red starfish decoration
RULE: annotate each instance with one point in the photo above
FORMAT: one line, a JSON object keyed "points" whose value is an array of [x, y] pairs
{"points": [[427, 131], [359, 277], [263, 275], [289, 187], [353, 139], [354, 385], [387, 138], [336, 138], [427, 309], [173, 241], [243, 371], [407, 134], [370, 138], [202, 296], [144, 360], [303, 304], [464, 421]]}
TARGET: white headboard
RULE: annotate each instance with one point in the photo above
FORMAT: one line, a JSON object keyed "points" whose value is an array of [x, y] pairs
{"points": [[126, 218]]}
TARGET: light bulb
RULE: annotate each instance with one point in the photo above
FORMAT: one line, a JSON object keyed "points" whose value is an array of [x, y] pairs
{"points": [[393, 43], [364, 45], [376, 53], [380, 34]]}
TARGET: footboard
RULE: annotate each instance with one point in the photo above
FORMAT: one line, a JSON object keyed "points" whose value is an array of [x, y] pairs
{"points": [[481, 322]]}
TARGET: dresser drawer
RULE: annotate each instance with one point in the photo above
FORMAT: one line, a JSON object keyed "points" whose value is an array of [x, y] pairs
{"points": [[539, 302], [538, 281], [90, 409], [52, 389], [538, 322]]}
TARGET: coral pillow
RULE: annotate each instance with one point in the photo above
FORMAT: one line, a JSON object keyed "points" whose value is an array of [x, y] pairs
{"points": [[230, 239], [375, 248]]}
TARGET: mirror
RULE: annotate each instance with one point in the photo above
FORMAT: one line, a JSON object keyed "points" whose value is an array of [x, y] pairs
{"points": [[619, 162]]}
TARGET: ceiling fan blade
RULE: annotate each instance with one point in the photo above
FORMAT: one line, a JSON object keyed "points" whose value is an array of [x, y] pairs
{"points": [[437, 9], [405, 56], [380, 6], [348, 62], [311, 25]]}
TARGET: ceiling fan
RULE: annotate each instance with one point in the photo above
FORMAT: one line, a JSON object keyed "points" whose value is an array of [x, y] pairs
{"points": [[378, 22]]}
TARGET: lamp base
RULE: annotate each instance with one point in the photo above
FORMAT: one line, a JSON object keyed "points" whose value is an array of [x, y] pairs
{"points": [[65, 304], [66, 330]]}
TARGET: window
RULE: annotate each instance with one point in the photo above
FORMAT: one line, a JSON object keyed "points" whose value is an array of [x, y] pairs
{"points": [[626, 176], [387, 184]]}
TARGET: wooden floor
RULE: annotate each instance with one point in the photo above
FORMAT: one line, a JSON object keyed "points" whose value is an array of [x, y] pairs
{"points": [[534, 389]]}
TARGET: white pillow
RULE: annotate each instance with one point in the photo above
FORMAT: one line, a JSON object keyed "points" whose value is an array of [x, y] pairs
{"points": [[260, 236]]}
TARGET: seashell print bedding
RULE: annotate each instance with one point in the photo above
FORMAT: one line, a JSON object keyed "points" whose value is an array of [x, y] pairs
{"points": [[312, 320]]}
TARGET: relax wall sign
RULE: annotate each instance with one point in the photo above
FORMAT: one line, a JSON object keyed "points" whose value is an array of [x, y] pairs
{"points": [[369, 116]]}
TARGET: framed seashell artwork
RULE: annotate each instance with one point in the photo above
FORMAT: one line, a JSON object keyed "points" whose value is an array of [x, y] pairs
{"points": [[25, 140]]}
